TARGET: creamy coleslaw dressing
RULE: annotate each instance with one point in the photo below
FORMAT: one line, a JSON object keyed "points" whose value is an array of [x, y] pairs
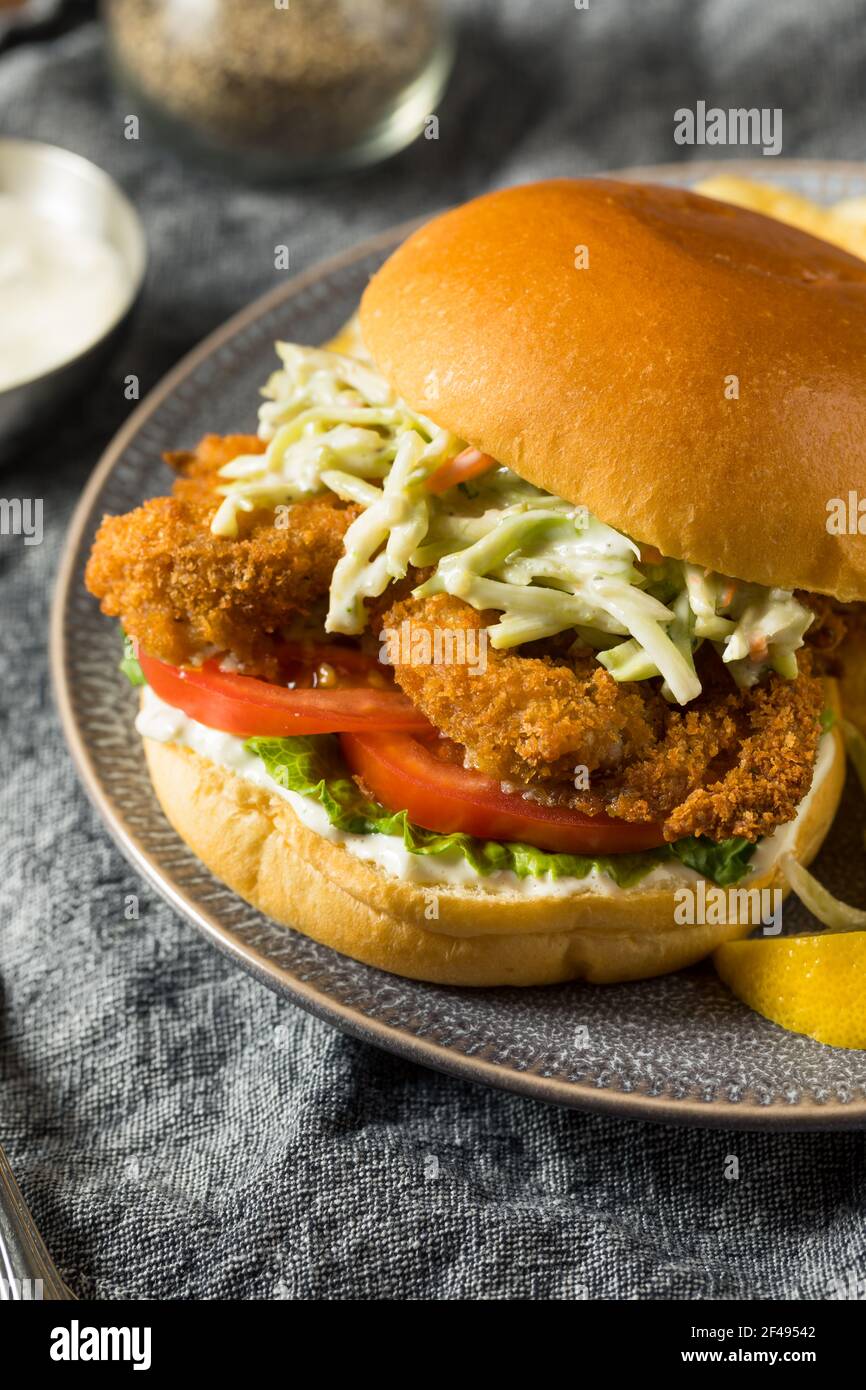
{"points": [[166, 724]]}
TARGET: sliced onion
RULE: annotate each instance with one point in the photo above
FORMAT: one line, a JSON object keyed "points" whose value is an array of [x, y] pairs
{"points": [[831, 912]]}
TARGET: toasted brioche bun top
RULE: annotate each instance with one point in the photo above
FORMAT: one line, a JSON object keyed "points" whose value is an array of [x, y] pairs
{"points": [[612, 385]]}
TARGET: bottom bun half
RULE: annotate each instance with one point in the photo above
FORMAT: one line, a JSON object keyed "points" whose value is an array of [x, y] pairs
{"points": [[253, 841]]}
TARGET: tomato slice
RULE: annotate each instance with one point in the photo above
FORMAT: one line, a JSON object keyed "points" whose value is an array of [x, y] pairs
{"points": [[460, 469], [247, 706], [404, 774]]}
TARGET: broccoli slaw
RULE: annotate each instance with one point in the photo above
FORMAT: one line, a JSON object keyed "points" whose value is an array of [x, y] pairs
{"points": [[545, 565]]}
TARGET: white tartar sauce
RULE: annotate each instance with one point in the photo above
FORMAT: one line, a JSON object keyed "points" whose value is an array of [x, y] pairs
{"points": [[60, 289]]}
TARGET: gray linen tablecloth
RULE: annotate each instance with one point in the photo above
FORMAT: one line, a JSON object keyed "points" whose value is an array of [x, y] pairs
{"points": [[179, 1131]]}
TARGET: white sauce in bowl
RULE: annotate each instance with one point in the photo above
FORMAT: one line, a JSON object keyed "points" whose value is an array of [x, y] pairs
{"points": [[60, 289]]}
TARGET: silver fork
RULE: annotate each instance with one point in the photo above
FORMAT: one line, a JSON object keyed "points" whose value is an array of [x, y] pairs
{"points": [[25, 1264]]}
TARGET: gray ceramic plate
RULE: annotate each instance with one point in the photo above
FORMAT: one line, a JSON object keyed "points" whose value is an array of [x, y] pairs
{"points": [[678, 1048]]}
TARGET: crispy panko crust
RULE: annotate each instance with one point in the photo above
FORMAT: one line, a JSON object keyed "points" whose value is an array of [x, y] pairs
{"points": [[733, 763], [736, 763], [522, 719], [181, 590]]}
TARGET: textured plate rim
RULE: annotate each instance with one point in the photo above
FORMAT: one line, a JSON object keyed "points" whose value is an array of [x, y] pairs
{"points": [[716, 1113]]}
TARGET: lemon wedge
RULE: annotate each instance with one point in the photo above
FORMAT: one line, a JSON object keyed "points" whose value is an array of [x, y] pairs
{"points": [[811, 984]]}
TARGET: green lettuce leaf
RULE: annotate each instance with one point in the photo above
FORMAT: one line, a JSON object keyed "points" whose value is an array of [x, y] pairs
{"points": [[724, 862], [129, 665], [312, 766]]}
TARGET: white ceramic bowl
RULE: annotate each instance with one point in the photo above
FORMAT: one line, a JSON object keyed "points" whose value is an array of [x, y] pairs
{"points": [[77, 194]]}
